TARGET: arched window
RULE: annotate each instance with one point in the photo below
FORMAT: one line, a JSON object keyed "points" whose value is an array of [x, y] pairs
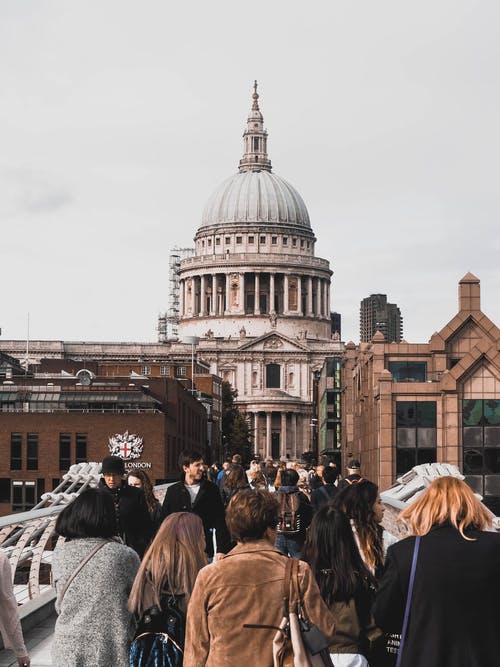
{"points": [[273, 372]]}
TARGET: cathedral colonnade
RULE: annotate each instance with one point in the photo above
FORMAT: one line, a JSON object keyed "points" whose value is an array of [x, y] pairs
{"points": [[254, 293], [279, 433]]}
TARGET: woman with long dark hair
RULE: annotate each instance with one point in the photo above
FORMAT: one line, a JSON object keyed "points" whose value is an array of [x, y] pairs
{"points": [[346, 584], [140, 479], [362, 505]]}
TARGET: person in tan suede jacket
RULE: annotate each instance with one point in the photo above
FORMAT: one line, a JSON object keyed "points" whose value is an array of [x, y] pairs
{"points": [[246, 587]]}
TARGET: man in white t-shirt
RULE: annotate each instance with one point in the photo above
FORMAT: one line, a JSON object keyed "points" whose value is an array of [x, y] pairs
{"points": [[194, 493]]}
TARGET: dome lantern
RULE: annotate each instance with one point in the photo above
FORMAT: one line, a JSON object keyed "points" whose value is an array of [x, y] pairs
{"points": [[255, 139]]}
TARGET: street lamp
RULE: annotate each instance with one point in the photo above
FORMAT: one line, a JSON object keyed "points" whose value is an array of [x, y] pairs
{"points": [[193, 341]]}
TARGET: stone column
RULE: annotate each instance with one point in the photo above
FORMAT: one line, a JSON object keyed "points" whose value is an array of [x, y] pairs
{"points": [[272, 308], [299, 295], [325, 299], [228, 293], [256, 305], [268, 433], [241, 281], [213, 303], [328, 303], [181, 298], [310, 305], [318, 297], [294, 434], [255, 433], [285, 294], [283, 439], [203, 297]]}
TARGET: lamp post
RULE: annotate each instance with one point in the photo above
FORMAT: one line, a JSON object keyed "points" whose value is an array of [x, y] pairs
{"points": [[193, 341]]}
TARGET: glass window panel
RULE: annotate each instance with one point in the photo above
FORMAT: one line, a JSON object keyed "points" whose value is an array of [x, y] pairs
{"points": [[29, 496], [426, 413], [426, 437], [405, 460], [492, 461], [406, 437], [405, 413], [426, 456], [492, 436], [473, 436], [273, 376], [17, 494], [5, 490], [476, 483], [408, 371], [80, 447], [491, 412], [472, 411], [473, 461], [492, 485]]}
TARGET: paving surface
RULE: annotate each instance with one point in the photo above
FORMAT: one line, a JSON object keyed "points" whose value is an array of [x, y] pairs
{"points": [[38, 642]]}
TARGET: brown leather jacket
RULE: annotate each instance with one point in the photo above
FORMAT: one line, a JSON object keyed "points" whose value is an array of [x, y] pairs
{"points": [[246, 586]]}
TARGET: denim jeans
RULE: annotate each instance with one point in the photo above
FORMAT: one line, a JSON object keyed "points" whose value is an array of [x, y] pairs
{"points": [[288, 545]]}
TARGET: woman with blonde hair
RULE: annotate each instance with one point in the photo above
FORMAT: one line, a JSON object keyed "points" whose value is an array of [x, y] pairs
{"points": [[453, 609], [164, 583]]}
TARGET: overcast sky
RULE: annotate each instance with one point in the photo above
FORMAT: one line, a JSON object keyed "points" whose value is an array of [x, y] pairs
{"points": [[118, 119]]}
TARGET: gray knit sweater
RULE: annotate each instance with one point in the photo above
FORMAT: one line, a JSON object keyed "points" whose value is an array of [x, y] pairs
{"points": [[94, 627]]}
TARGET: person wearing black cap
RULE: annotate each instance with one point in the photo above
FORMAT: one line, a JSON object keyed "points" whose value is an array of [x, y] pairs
{"points": [[353, 474], [133, 522]]}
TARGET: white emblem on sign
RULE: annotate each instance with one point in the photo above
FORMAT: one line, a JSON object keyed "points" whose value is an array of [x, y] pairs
{"points": [[126, 446]]}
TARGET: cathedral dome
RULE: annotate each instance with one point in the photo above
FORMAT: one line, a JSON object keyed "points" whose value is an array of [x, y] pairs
{"points": [[257, 196]]}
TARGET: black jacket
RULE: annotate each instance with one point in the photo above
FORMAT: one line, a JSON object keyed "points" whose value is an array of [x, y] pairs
{"points": [[208, 506], [454, 619], [133, 520], [322, 495], [347, 481]]}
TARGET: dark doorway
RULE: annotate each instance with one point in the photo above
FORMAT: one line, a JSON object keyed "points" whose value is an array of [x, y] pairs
{"points": [[275, 445]]}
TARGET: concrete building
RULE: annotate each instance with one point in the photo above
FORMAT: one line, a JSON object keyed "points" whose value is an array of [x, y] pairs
{"points": [[258, 298], [375, 314], [407, 404]]}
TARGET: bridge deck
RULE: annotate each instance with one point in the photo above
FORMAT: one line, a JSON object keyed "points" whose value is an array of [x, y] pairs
{"points": [[38, 642]]}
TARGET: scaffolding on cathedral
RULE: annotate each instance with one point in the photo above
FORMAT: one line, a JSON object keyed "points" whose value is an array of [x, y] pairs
{"points": [[168, 322]]}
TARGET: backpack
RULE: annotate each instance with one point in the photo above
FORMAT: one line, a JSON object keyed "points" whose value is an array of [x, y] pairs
{"points": [[159, 638], [289, 519]]}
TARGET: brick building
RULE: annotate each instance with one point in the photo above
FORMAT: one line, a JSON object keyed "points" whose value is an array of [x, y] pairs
{"points": [[406, 404], [51, 420]]}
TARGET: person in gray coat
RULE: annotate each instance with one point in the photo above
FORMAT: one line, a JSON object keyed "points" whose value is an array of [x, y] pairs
{"points": [[93, 574]]}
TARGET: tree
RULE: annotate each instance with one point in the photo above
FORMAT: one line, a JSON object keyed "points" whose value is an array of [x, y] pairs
{"points": [[235, 430]]}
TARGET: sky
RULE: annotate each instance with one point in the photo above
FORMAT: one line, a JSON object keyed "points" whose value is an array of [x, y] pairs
{"points": [[118, 119]]}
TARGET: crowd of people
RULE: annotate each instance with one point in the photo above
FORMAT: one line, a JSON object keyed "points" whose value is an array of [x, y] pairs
{"points": [[199, 578]]}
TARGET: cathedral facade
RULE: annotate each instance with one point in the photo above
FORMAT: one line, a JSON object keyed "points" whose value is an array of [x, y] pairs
{"points": [[257, 300]]}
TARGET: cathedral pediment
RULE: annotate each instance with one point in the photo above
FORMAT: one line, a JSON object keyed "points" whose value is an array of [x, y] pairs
{"points": [[276, 342]]}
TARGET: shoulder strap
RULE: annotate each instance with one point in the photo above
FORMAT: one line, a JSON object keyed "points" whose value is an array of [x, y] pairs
{"points": [[79, 567], [287, 585], [408, 600]]}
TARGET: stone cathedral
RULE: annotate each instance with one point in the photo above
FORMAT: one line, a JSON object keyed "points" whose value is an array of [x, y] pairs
{"points": [[258, 298]]}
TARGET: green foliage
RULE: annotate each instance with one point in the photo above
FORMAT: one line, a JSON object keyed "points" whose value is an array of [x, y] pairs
{"points": [[235, 430]]}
